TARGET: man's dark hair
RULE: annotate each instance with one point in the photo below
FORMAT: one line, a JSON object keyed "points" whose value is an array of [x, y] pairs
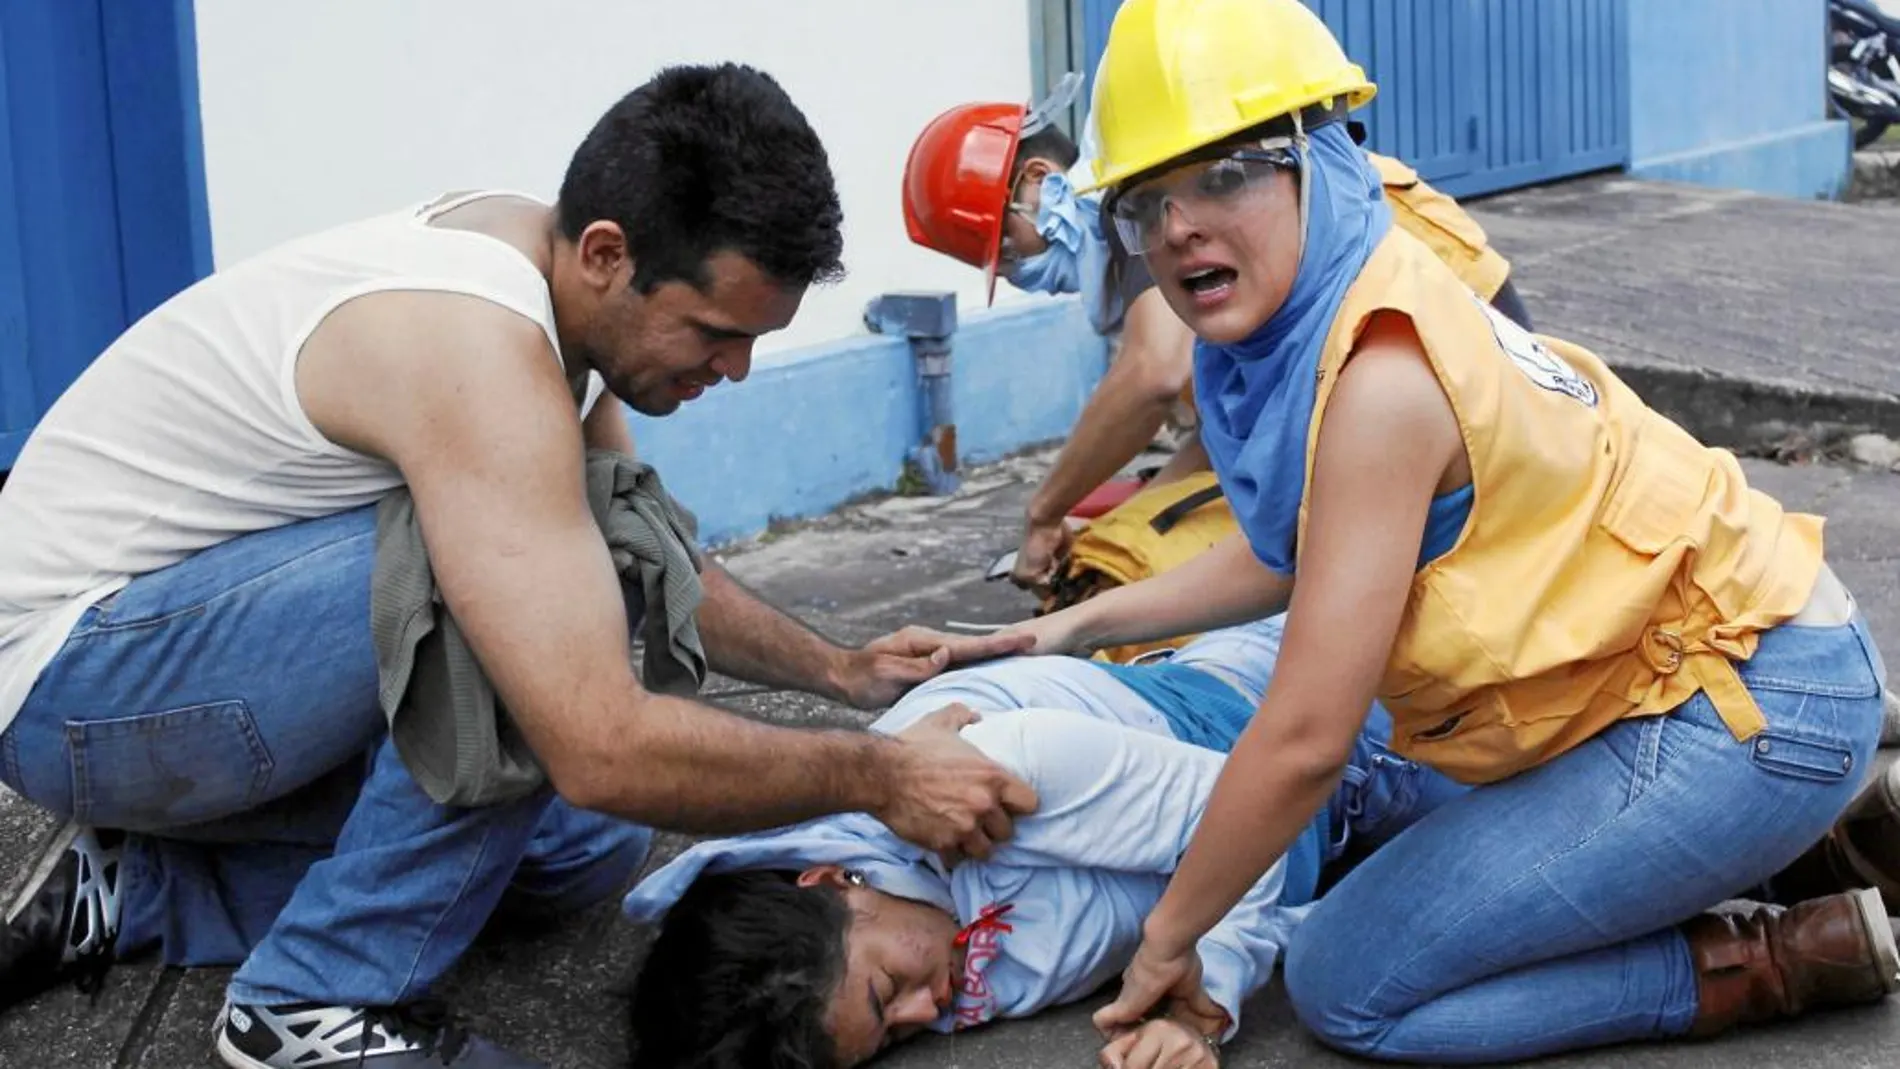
{"points": [[741, 976], [701, 160], [1048, 143]]}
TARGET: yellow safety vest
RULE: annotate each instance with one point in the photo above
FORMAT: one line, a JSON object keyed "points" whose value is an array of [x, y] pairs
{"points": [[1612, 565], [1445, 228]]}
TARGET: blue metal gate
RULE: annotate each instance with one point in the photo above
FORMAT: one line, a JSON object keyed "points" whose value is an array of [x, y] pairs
{"points": [[1478, 95], [102, 209], [1423, 56], [1556, 91]]}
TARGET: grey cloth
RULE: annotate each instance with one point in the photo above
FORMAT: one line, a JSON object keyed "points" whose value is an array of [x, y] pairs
{"points": [[449, 728]]}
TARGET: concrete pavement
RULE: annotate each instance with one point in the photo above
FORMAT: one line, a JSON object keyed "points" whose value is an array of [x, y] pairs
{"points": [[1760, 322]]}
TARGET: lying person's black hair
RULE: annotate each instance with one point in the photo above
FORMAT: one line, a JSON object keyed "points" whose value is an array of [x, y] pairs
{"points": [[741, 976]]}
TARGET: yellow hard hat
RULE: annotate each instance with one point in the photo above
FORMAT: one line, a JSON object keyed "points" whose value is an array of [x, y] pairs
{"points": [[1179, 75]]}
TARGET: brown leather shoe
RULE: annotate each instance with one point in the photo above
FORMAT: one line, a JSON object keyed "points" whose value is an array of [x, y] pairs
{"points": [[1783, 961]]}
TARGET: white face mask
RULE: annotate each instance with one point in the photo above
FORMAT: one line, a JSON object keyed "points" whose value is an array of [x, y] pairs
{"points": [[1067, 225], [1078, 256]]}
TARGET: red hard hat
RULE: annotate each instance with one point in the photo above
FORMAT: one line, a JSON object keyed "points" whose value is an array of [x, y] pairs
{"points": [[956, 183]]}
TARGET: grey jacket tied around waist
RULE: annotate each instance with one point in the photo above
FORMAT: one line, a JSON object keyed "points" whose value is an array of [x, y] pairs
{"points": [[449, 728]]}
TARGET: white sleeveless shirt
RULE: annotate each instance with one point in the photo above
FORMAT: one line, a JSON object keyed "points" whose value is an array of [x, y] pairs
{"points": [[187, 431]]}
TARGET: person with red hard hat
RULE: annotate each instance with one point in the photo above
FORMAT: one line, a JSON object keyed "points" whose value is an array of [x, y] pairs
{"points": [[990, 184], [961, 180]]}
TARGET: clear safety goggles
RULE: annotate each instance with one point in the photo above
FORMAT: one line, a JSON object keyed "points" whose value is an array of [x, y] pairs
{"points": [[1205, 193]]}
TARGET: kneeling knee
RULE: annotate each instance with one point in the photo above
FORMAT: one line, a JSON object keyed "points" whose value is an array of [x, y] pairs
{"points": [[1328, 996], [620, 862]]}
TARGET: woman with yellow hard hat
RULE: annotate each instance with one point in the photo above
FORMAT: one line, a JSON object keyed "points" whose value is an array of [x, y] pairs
{"points": [[1659, 690]]}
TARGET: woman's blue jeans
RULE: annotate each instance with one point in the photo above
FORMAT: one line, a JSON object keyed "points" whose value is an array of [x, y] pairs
{"points": [[1539, 914]]}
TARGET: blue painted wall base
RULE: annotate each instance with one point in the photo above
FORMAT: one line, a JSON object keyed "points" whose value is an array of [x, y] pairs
{"points": [[1811, 162], [1733, 93], [816, 427]]}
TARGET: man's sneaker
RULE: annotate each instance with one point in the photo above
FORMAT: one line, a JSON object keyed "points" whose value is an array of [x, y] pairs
{"points": [[308, 1035], [64, 920]]}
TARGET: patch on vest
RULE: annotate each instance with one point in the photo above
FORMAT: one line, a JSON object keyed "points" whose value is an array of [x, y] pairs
{"points": [[1537, 362]]}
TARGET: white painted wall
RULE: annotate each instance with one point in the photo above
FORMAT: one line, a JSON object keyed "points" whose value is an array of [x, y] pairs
{"points": [[320, 111]]}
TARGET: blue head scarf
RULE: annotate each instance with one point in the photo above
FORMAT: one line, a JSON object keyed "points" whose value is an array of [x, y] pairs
{"points": [[1256, 395]]}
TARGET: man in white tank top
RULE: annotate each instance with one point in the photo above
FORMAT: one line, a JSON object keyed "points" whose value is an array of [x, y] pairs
{"points": [[186, 672]]}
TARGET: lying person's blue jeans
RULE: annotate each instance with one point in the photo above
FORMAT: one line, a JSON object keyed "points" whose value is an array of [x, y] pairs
{"points": [[1537, 914], [226, 709]]}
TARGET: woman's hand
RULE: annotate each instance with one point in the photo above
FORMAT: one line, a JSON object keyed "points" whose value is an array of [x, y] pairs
{"points": [[1055, 635], [1157, 973], [1163, 1043]]}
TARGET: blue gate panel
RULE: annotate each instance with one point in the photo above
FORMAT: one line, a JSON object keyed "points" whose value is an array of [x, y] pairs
{"points": [[1484, 95], [1422, 56], [151, 53], [17, 410], [65, 214], [1586, 105], [102, 206], [1478, 95]]}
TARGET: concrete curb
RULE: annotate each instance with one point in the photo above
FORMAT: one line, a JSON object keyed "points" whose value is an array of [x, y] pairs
{"points": [[1876, 175], [1752, 415]]}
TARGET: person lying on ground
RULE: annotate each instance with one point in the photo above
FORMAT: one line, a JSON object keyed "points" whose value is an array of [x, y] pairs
{"points": [[824, 942]]}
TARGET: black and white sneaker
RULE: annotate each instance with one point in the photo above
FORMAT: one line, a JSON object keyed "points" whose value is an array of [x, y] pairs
{"points": [[307, 1035], [64, 921]]}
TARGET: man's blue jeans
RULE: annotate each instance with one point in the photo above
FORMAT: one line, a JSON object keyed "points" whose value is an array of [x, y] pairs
{"points": [[225, 710], [1539, 914]]}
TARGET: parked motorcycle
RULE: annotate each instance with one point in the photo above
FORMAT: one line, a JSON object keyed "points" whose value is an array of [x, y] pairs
{"points": [[1863, 75]]}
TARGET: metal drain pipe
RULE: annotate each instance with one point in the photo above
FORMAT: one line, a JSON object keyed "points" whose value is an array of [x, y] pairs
{"points": [[926, 320]]}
